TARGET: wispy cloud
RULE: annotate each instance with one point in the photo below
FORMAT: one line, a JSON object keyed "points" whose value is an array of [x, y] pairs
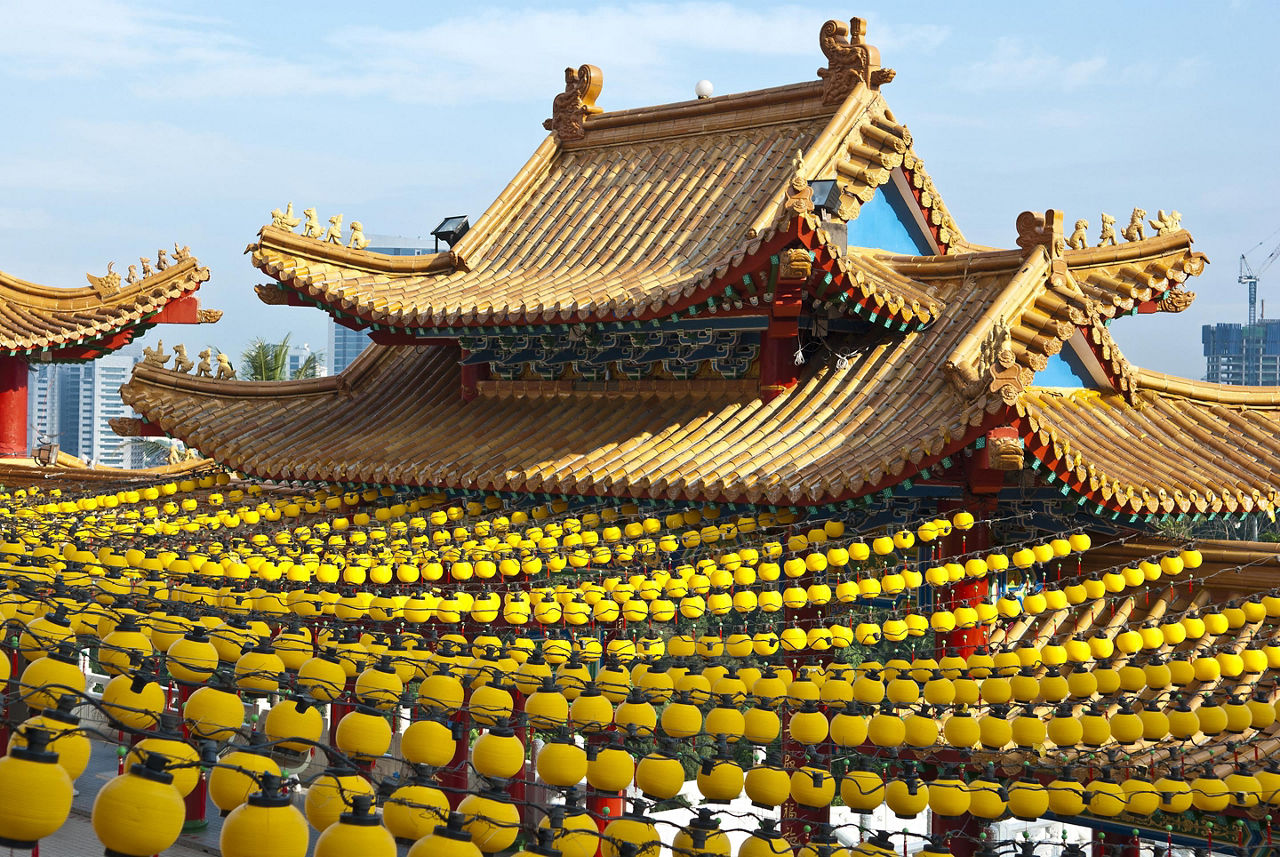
{"points": [[1013, 64], [505, 55]]}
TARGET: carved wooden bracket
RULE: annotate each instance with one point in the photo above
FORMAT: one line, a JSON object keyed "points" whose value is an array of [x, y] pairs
{"points": [[271, 294], [1175, 300], [1008, 377], [570, 109], [795, 263], [126, 426], [1003, 449], [850, 60]]}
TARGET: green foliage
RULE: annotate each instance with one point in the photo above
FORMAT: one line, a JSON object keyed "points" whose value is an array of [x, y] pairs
{"points": [[269, 361]]}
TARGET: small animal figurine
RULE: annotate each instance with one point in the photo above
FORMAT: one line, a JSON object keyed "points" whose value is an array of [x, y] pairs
{"points": [[358, 241], [181, 362], [1080, 237], [312, 228], [1135, 231], [226, 372], [334, 235], [205, 369], [1108, 236]]}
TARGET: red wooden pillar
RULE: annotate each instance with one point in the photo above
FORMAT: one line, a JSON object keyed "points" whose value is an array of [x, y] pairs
{"points": [[963, 833], [471, 377], [198, 799], [13, 407], [799, 822], [778, 344], [453, 779], [15, 670], [603, 806]]}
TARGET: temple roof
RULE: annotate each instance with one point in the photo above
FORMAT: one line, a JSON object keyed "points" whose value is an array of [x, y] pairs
{"points": [[648, 213], [687, 209], [395, 416], [71, 474], [36, 318]]}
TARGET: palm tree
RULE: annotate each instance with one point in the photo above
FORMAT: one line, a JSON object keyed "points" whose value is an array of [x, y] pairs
{"points": [[269, 361]]}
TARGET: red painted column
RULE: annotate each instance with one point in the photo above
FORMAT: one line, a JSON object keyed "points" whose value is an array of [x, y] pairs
{"points": [[778, 369], [198, 799], [962, 833], [471, 377], [454, 778], [13, 407], [603, 806], [794, 817], [969, 591]]}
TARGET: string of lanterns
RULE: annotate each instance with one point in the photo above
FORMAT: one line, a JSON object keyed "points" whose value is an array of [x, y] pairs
{"points": [[645, 700]]}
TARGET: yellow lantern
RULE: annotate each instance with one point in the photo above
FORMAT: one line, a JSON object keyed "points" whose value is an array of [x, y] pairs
{"points": [[135, 702], [139, 813], [35, 792], [49, 678], [230, 786], [65, 738], [357, 832], [267, 823], [492, 820], [907, 798], [949, 795], [659, 776], [332, 794], [415, 810], [812, 786], [295, 725]]}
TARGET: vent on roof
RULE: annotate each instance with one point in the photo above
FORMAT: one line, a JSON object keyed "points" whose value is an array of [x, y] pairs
{"points": [[451, 229]]}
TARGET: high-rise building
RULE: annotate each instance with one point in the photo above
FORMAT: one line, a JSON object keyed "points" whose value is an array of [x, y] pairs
{"points": [[1242, 354], [72, 404], [297, 358], [346, 344]]}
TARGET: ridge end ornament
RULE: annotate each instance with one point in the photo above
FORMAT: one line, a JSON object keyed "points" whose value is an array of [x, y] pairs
{"points": [[850, 60], [570, 109], [799, 195], [108, 284]]}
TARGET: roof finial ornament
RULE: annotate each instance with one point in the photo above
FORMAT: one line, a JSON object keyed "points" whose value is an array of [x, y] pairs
{"points": [[108, 284], [570, 109], [1041, 230], [1166, 224], [155, 356], [205, 368], [850, 60], [799, 196], [285, 219], [226, 372]]}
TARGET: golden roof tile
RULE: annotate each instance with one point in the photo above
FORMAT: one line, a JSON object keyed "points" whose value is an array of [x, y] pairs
{"points": [[35, 317]]}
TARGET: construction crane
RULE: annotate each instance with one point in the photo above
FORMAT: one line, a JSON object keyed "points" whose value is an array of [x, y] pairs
{"points": [[1249, 277]]}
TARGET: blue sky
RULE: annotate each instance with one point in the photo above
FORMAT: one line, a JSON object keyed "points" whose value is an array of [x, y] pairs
{"points": [[131, 125]]}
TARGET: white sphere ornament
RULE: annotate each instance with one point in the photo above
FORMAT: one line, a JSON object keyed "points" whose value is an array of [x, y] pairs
{"points": [[703, 89]]}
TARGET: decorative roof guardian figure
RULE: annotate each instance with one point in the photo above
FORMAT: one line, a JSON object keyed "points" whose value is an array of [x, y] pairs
{"points": [[850, 60], [570, 109]]}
